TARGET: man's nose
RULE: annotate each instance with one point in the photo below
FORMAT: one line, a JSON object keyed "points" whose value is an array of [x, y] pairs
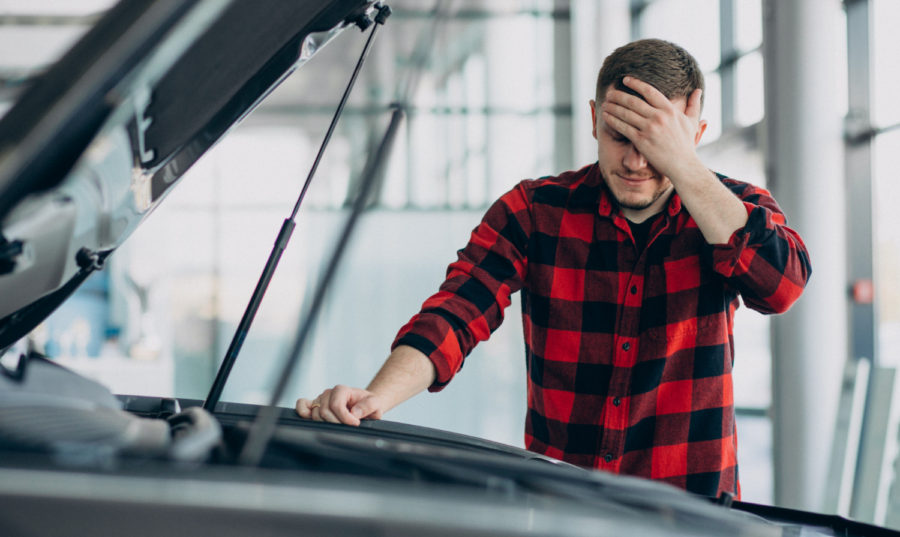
{"points": [[633, 159]]}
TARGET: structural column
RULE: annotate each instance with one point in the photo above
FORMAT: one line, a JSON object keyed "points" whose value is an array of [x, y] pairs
{"points": [[804, 153]]}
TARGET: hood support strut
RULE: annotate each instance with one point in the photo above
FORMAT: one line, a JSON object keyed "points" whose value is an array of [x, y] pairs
{"points": [[284, 235]]}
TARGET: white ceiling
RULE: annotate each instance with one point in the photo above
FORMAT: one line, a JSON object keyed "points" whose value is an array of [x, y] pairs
{"points": [[33, 33]]}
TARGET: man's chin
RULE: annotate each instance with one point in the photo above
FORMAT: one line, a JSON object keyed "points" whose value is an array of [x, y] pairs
{"points": [[635, 204], [634, 201]]}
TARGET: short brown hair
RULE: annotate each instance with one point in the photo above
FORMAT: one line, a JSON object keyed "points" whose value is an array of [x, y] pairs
{"points": [[664, 65]]}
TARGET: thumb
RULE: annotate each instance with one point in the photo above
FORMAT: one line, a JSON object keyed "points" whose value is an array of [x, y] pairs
{"points": [[367, 407]]}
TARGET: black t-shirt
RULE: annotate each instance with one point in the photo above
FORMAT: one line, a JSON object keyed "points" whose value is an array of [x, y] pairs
{"points": [[641, 232]]}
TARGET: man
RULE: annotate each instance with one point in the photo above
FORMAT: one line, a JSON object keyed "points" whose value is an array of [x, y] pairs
{"points": [[630, 271]]}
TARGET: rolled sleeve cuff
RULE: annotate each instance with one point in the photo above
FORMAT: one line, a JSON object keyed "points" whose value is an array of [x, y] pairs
{"points": [[445, 371], [726, 257]]}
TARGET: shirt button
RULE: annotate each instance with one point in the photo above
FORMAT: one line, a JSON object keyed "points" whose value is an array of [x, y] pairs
{"points": [[626, 346], [617, 401], [634, 289], [608, 457]]}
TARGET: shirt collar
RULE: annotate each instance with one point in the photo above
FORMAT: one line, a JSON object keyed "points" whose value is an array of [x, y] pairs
{"points": [[674, 206], [606, 206]]}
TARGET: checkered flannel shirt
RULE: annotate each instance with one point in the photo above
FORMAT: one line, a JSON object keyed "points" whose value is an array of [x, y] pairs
{"points": [[629, 354]]}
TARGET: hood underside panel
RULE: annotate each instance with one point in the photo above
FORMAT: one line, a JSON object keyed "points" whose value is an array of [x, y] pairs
{"points": [[95, 144]]}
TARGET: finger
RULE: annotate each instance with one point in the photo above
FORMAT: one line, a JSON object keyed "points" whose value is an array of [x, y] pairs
{"points": [[650, 93], [317, 403], [369, 407], [339, 403], [627, 100], [693, 106], [327, 415], [619, 126], [320, 405], [627, 115], [303, 408]]}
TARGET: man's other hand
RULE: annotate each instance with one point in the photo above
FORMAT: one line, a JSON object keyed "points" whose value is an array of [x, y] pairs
{"points": [[342, 404]]}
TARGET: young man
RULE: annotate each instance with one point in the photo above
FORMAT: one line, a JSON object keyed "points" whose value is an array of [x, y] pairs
{"points": [[630, 271]]}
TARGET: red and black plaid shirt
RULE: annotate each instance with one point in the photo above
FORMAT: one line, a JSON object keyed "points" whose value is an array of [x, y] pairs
{"points": [[629, 353]]}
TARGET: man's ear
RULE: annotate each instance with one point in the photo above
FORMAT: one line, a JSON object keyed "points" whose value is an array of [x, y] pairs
{"points": [[593, 118], [701, 128]]}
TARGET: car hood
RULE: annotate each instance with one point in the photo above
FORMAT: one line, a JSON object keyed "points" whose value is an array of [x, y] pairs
{"points": [[97, 141]]}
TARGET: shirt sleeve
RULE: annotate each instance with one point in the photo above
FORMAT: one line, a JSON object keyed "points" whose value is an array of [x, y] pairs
{"points": [[470, 303], [766, 261]]}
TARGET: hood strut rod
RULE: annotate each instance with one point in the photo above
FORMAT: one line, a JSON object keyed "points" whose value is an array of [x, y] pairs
{"points": [[284, 235], [263, 427]]}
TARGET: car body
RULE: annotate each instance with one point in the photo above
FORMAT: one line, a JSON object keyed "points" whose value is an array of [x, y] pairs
{"points": [[86, 154]]}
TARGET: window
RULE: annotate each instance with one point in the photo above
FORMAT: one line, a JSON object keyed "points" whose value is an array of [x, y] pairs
{"points": [[886, 162], [885, 75]]}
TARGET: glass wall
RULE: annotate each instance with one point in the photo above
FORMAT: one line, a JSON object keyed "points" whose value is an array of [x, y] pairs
{"points": [[885, 118], [886, 189]]}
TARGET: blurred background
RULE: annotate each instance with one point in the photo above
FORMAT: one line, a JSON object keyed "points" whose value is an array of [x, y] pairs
{"points": [[800, 98]]}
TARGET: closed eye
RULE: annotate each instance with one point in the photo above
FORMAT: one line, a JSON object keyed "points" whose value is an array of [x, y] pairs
{"points": [[615, 135]]}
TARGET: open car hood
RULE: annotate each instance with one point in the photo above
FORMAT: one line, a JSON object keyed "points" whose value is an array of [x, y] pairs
{"points": [[95, 144]]}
